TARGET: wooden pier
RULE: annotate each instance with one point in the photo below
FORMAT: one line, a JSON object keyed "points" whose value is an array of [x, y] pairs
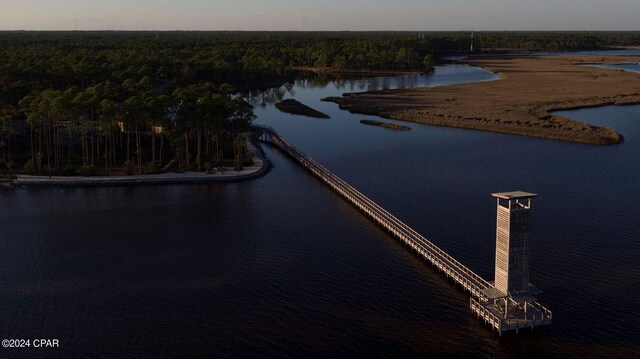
{"points": [[475, 285]]}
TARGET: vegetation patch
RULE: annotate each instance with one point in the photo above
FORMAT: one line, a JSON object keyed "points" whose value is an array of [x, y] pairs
{"points": [[388, 125], [86, 104], [522, 102], [295, 107]]}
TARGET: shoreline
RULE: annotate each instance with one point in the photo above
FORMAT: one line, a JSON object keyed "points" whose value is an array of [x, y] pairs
{"points": [[387, 125], [522, 102], [331, 71], [261, 167]]}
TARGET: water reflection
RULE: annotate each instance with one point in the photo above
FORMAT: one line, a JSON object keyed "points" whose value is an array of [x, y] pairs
{"points": [[266, 97], [336, 85]]}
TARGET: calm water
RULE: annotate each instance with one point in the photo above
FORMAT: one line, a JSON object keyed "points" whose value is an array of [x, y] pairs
{"points": [[283, 265], [635, 68]]}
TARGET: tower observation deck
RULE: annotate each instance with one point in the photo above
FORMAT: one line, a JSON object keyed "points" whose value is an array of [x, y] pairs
{"points": [[510, 301]]}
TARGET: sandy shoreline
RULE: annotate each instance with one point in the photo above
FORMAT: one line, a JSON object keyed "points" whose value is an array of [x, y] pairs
{"points": [[520, 103], [260, 167]]}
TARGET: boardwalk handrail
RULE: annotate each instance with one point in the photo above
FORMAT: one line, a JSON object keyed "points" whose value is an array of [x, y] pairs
{"points": [[464, 276]]}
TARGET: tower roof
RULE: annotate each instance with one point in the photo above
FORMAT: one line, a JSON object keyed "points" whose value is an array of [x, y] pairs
{"points": [[514, 194]]}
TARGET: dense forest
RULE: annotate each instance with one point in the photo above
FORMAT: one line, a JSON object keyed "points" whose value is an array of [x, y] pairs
{"points": [[142, 102]]}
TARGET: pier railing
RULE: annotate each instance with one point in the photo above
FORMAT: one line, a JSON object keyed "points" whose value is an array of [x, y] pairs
{"points": [[455, 270]]}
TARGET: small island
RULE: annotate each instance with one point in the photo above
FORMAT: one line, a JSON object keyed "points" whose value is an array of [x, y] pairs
{"points": [[523, 102], [388, 125], [295, 107]]}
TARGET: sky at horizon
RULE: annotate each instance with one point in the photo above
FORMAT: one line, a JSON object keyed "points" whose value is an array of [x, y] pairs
{"points": [[309, 15]]}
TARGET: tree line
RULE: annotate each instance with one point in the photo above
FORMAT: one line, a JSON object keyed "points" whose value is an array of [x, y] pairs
{"points": [[143, 101], [128, 127]]}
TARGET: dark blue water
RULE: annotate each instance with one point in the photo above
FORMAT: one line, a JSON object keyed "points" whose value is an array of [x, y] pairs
{"points": [[283, 266]]}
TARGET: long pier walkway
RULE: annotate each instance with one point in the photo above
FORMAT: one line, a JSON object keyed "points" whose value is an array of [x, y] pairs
{"points": [[449, 266]]}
